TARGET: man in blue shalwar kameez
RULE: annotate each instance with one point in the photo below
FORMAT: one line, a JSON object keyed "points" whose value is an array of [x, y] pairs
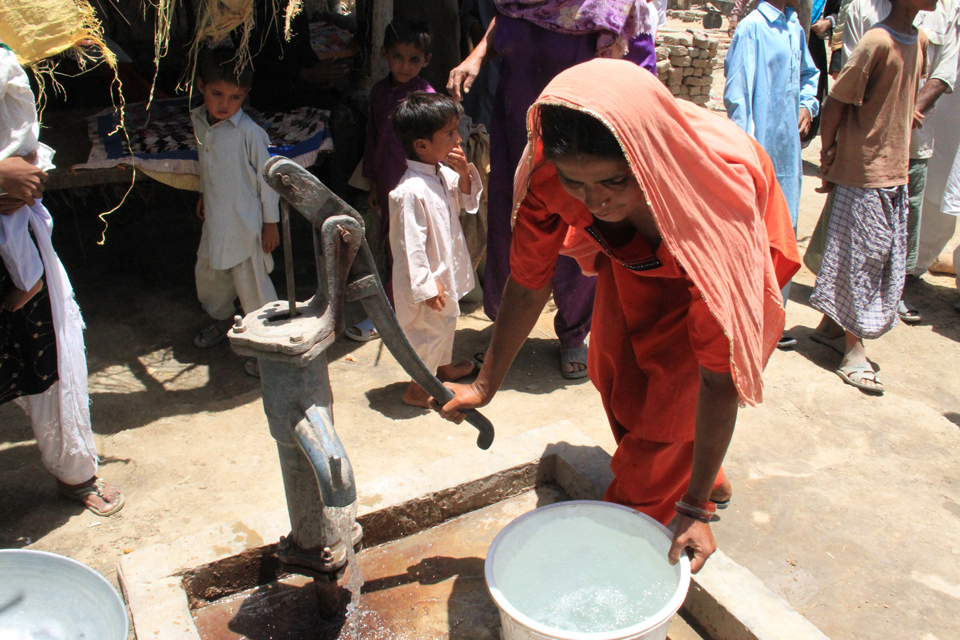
{"points": [[771, 93]]}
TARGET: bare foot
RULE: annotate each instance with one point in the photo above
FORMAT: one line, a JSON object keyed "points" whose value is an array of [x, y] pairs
{"points": [[96, 495], [15, 298], [415, 396], [723, 493], [573, 367], [452, 372]]}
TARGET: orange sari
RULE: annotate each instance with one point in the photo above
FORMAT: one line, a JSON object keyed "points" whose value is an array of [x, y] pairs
{"points": [[708, 296]]}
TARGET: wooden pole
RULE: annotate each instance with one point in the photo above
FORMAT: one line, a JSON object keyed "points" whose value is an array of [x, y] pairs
{"points": [[804, 9], [382, 15]]}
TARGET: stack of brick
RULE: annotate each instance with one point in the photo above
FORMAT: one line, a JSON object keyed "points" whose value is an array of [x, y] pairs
{"points": [[685, 64]]}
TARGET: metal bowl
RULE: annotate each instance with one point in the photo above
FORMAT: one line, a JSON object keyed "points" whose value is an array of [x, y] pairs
{"points": [[44, 596]]}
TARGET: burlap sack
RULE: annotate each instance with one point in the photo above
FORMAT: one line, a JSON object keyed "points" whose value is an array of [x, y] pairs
{"points": [[39, 29]]}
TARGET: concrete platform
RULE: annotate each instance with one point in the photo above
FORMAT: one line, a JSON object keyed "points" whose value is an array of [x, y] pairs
{"points": [[726, 602]]}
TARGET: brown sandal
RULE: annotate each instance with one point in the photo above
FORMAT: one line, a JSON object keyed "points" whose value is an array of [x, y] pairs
{"points": [[97, 488]]}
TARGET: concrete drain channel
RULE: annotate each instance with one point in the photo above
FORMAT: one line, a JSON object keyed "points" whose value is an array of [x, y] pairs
{"points": [[425, 539]]}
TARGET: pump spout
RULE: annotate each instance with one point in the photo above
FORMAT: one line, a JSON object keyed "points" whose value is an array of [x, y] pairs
{"points": [[319, 442]]}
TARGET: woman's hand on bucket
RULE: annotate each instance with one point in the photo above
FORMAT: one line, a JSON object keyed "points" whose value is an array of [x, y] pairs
{"points": [[465, 396], [693, 535]]}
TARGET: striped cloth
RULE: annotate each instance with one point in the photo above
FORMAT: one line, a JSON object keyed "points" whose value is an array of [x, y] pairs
{"points": [[864, 260]]}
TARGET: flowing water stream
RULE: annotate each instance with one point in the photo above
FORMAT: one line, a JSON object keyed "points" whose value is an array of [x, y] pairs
{"points": [[345, 518]]}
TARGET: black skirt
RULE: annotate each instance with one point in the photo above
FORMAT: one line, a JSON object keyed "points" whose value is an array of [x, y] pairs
{"points": [[28, 345]]}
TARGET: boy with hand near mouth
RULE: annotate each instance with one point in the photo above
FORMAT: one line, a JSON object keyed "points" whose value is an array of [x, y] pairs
{"points": [[431, 262], [238, 209]]}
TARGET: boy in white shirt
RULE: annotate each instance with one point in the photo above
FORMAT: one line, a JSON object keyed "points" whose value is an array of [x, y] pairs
{"points": [[239, 210], [431, 262]]}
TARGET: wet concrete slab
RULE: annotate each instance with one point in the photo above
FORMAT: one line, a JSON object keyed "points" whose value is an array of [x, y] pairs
{"points": [[429, 585], [227, 565]]}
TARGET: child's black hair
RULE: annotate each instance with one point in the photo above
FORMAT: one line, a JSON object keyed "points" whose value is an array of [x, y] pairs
{"points": [[421, 115], [408, 31], [219, 65], [569, 132]]}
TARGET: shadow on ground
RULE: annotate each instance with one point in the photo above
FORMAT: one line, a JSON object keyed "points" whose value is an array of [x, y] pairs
{"points": [[935, 302], [526, 374]]}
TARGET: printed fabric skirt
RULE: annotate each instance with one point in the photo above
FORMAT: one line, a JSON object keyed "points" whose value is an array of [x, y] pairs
{"points": [[864, 260], [28, 345]]}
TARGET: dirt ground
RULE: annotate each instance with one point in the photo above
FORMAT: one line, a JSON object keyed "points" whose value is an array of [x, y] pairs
{"points": [[846, 505]]}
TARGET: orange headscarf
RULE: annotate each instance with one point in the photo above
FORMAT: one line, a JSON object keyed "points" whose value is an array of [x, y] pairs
{"points": [[712, 192]]}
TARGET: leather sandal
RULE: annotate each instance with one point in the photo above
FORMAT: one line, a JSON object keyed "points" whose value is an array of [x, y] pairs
{"points": [[855, 375], [574, 356], [212, 336], [909, 313], [97, 488]]}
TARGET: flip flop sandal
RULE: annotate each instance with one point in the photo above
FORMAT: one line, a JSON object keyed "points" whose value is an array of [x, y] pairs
{"points": [[786, 342], [97, 489], [362, 331], [251, 367], [574, 356], [479, 356], [837, 344], [211, 336], [909, 313], [852, 374]]}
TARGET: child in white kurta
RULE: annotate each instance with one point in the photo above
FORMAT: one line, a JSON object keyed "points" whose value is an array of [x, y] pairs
{"points": [[51, 388], [431, 263], [239, 209]]}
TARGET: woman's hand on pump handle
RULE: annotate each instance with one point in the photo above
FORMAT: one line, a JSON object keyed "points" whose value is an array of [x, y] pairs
{"points": [[465, 396]]}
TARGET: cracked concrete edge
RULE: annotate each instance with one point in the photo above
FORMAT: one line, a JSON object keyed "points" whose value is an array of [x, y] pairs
{"points": [[727, 600], [150, 577], [165, 610]]}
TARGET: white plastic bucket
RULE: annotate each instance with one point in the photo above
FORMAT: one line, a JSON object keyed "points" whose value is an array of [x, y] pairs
{"points": [[517, 626]]}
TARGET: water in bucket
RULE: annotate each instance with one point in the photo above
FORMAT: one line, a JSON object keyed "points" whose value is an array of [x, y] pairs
{"points": [[578, 574]]}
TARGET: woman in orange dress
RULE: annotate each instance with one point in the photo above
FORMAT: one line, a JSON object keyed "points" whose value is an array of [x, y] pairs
{"points": [[679, 214]]}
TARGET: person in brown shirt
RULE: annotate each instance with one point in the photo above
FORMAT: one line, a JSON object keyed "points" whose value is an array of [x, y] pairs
{"points": [[865, 140], [875, 96]]}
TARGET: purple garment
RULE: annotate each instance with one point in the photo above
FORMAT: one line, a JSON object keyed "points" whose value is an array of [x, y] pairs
{"points": [[531, 58], [626, 18], [384, 160], [616, 23]]}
